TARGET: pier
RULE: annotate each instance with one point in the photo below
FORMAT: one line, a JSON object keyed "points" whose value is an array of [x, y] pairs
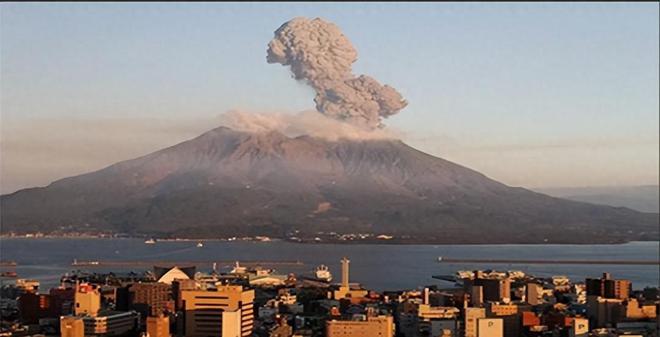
{"points": [[523, 261]]}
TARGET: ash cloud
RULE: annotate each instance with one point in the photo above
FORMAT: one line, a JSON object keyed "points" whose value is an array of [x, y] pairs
{"points": [[320, 55], [309, 123]]}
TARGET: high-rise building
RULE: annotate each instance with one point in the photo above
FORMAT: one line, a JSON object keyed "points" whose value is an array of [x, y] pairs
{"points": [[533, 293], [87, 299], [33, 307], [492, 289], [378, 326], [158, 326], [471, 317], [608, 288], [226, 311], [477, 296], [150, 299]]}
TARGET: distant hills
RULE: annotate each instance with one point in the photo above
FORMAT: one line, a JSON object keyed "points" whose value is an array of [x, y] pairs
{"points": [[230, 183], [640, 198]]}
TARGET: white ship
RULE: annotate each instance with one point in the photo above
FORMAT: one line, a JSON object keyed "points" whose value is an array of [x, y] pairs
{"points": [[200, 244], [322, 273], [150, 242]]}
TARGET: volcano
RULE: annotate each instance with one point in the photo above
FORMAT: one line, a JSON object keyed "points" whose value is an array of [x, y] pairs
{"points": [[232, 183]]}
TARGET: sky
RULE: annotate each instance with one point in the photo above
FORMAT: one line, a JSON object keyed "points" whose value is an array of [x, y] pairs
{"points": [[532, 95]]}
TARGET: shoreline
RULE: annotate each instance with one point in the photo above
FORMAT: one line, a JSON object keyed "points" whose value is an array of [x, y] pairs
{"points": [[410, 242]]}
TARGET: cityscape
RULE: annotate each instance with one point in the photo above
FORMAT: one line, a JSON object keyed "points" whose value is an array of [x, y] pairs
{"points": [[257, 301]]}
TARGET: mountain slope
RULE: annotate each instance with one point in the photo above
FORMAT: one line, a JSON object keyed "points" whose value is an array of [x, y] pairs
{"points": [[640, 198], [228, 183]]}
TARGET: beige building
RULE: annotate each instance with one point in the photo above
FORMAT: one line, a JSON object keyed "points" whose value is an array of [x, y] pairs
{"points": [[158, 326], [635, 311], [72, 326], [501, 309], [345, 290], [471, 317], [226, 311], [87, 299], [490, 327], [379, 326], [111, 323], [579, 327]]}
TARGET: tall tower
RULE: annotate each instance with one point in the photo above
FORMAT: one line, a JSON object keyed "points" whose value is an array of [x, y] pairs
{"points": [[344, 272]]}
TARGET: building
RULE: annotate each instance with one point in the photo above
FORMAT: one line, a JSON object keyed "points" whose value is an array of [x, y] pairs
{"points": [[158, 326], [87, 299], [604, 311], [345, 290], [33, 307], [378, 326], [579, 327], [150, 299], [606, 287], [505, 309], [72, 326], [492, 289], [638, 311], [533, 293], [490, 327], [477, 296], [27, 285], [65, 297], [167, 275], [226, 311], [111, 323], [471, 317]]}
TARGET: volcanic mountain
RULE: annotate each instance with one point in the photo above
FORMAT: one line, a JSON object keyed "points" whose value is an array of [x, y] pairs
{"points": [[231, 183]]}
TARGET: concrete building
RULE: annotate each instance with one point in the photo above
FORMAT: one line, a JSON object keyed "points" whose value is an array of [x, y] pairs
{"points": [[72, 326], [477, 296], [490, 327], [150, 299], [87, 299], [111, 324], [505, 309], [33, 307], [379, 326], [158, 326], [606, 287], [579, 327], [638, 311], [226, 311], [533, 293], [345, 290], [493, 289], [604, 311], [471, 317]]}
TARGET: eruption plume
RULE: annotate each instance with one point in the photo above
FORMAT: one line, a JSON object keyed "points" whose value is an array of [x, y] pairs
{"points": [[319, 54]]}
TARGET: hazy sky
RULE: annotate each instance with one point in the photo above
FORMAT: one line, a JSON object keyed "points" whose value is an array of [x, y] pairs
{"points": [[532, 95]]}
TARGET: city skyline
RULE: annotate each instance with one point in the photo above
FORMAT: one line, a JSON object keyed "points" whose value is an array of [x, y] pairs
{"points": [[531, 95]]}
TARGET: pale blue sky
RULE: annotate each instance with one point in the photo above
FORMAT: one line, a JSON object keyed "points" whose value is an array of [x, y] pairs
{"points": [[553, 94]]}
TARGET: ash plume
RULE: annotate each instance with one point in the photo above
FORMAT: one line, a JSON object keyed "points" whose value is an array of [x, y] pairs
{"points": [[320, 55], [308, 122]]}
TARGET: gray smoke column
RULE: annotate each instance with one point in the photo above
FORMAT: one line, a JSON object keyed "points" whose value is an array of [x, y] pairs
{"points": [[319, 54]]}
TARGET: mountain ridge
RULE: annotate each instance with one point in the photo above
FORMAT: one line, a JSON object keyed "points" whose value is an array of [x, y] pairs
{"points": [[230, 183]]}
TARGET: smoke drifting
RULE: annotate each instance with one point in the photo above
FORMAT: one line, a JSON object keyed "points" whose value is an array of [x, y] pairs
{"points": [[308, 123], [319, 54]]}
